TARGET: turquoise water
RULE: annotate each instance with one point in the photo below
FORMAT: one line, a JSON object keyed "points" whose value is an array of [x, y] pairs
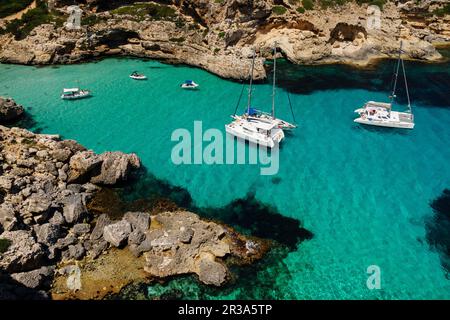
{"points": [[364, 193]]}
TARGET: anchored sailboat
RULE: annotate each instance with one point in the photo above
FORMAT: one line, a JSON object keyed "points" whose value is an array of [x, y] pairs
{"points": [[265, 133], [381, 114], [255, 115]]}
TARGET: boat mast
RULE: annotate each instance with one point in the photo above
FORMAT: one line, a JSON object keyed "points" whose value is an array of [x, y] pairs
{"points": [[274, 76], [406, 87], [250, 85], [396, 74]]}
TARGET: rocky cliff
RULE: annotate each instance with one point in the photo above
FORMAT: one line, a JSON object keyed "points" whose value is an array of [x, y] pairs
{"points": [[219, 35]]}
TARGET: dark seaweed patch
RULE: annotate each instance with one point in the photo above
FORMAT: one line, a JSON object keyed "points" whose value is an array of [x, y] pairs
{"points": [[301, 79], [438, 228]]}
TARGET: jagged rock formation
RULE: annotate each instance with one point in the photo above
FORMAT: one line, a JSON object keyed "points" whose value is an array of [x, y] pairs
{"points": [[9, 110], [46, 185], [219, 35]]}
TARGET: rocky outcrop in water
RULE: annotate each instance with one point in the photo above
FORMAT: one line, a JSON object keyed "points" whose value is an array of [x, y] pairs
{"points": [[9, 110], [46, 185], [219, 35]]}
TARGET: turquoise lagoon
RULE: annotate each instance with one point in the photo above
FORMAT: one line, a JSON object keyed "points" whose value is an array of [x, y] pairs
{"points": [[364, 193]]}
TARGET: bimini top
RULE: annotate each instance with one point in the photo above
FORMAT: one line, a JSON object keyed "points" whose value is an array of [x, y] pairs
{"points": [[188, 81], [253, 111], [71, 90], [375, 104], [263, 125]]}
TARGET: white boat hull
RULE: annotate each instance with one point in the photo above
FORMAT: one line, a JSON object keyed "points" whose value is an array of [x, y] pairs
{"points": [[281, 124], [189, 87], [260, 139], [81, 95], [138, 77], [402, 120]]}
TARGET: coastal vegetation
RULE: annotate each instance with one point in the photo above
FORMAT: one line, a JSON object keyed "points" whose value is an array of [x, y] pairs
{"points": [[443, 11], [147, 10], [10, 7], [308, 4], [279, 10], [21, 28], [4, 245]]}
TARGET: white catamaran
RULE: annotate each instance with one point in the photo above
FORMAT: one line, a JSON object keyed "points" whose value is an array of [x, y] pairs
{"points": [[381, 114], [255, 115], [265, 133]]}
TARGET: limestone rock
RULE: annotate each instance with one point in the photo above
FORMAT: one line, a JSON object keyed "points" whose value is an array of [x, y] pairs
{"points": [[102, 221], [81, 229], [35, 278], [23, 254], [211, 272], [47, 233], [8, 220], [138, 220], [117, 233], [74, 208], [82, 165], [116, 166], [9, 110]]}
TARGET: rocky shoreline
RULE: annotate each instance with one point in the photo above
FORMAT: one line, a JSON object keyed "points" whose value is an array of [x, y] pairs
{"points": [[53, 245], [218, 36]]}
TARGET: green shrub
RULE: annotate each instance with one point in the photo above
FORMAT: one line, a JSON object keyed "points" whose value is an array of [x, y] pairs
{"points": [[9, 7], [442, 11], [301, 10], [379, 3], [216, 50], [91, 20], [219, 1], [307, 4], [177, 40], [221, 34], [143, 10], [279, 10], [4, 245], [21, 28]]}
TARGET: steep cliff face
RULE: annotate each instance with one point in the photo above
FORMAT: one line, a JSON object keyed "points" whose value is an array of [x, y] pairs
{"points": [[220, 35]]}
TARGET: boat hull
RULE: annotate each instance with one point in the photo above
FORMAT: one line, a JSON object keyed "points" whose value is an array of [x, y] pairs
{"points": [[272, 141], [138, 78], [387, 124], [75, 97]]}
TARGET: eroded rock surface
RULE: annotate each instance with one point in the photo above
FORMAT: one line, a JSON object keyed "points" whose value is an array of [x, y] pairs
{"points": [[219, 35]]}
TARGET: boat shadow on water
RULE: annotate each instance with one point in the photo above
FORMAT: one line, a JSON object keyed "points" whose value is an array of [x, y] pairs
{"points": [[437, 229]]}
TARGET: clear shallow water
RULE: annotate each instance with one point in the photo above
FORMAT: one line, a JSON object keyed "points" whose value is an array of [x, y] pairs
{"points": [[363, 192]]}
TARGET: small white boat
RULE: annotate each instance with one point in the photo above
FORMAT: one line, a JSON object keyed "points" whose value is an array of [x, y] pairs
{"points": [[189, 84], [75, 93], [380, 113], [264, 134], [138, 76]]}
